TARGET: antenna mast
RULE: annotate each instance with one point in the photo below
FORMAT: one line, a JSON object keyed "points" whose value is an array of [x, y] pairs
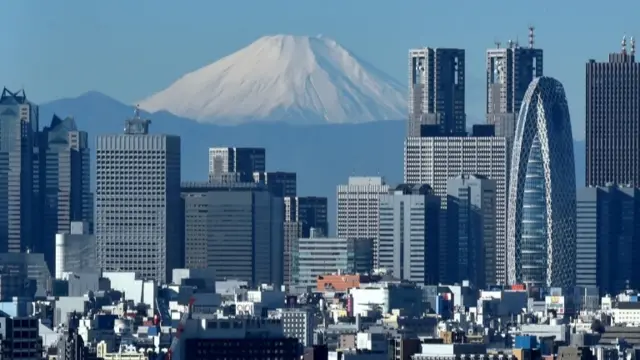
{"points": [[633, 46], [531, 36], [624, 44]]}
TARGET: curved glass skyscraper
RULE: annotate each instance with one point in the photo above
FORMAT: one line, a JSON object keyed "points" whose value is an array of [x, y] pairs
{"points": [[541, 228]]}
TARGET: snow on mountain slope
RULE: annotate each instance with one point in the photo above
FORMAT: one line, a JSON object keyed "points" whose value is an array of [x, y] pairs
{"points": [[296, 79]]}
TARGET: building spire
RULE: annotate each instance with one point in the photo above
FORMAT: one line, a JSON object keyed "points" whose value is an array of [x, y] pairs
{"points": [[633, 46], [531, 36], [624, 44]]}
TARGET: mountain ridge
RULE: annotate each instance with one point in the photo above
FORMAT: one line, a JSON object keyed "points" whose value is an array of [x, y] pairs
{"points": [[297, 79]]}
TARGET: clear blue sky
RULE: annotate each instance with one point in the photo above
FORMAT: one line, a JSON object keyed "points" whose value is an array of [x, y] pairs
{"points": [[129, 49]]}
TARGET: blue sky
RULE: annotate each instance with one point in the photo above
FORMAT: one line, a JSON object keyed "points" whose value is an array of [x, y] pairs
{"points": [[131, 49]]}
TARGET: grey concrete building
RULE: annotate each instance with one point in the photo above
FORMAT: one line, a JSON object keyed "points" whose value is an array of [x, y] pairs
{"points": [[299, 323], [436, 90], [280, 183], [471, 213], [137, 214], [613, 119], [408, 238], [510, 69], [235, 229], [435, 160], [314, 256], [358, 208], [19, 186], [65, 178], [608, 237], [243, 161]]}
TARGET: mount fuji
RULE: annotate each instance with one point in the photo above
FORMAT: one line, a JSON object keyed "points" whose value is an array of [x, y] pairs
{"points": [[285, 78]]}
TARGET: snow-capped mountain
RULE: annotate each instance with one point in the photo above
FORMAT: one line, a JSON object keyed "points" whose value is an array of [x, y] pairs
{"points": [[296, 79]]}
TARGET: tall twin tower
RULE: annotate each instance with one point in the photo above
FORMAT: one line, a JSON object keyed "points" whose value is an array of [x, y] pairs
{"points": [[437, 87], [534, 241]]}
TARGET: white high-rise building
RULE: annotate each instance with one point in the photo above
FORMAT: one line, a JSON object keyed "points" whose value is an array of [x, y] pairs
{"points": [[408, 237], [359, 208], [137, 213], [240, 161], [75, 250], [435, 160]]}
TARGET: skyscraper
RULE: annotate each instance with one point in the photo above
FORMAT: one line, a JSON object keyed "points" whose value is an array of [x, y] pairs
{"points": [[235, 229], [542, 192], [64, 178], [301, 215], [613, 119], [359, 208], [608, 238], [408, 240], [471, 212], [137, 214], [241, 161], [435, 160], [510, 70], [436, 90], [19, 183], [280, 183], [310, 211]]}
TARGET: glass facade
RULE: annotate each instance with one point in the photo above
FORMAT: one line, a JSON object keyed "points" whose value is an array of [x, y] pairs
{"points": [[541, 227], [533, 243]]}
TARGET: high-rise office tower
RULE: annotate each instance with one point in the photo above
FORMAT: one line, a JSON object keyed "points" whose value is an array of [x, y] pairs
{"points": [[435, 160], [436, 90], [301, 214], [613, 119], [241, 161], [235, 229], [608, 238], [408, 240], [137, 214], [541, 234], [471, 212], [64, 178], [359, 208], [320, 255], [19, 184], [310, 211], [280, 183], [510, 70]]}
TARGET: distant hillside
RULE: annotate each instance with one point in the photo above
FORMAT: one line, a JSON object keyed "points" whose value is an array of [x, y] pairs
{"points": [[322, 155]]}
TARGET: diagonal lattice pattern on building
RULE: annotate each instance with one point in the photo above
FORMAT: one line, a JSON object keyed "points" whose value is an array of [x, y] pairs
{"points": [[541, 227]]}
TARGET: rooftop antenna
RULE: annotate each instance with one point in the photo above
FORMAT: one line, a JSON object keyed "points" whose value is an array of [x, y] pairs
{"points": [[497, 42], [633, 46], [510, 43], [624, 44], [531, 36], [136, 111]]}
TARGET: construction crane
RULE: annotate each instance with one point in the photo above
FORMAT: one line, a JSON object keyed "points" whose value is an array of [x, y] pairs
{"points": [[175, 344]]}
